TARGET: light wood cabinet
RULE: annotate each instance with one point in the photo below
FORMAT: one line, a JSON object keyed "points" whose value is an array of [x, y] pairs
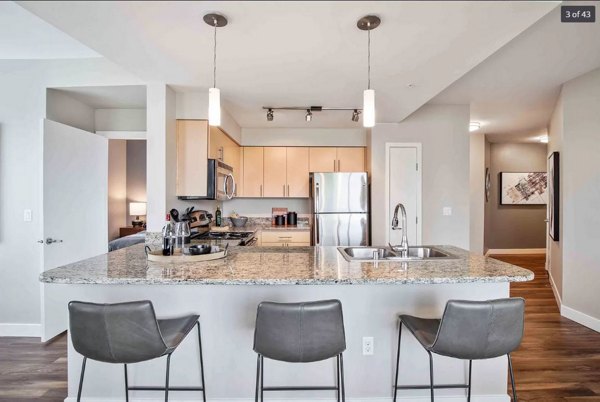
{"points": [[341, 159], [351, 159], [322, 159], [253, 171], [297, 172], [275, 184], [223, 148], [192, 153], [285, 238]]}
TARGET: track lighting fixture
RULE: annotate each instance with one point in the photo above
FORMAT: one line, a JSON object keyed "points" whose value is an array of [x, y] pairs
{"points": [[355, 115], [308, 116], [270, 115], [214, 94]]}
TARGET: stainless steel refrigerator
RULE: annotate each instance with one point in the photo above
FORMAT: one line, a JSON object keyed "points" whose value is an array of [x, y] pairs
{"points": [[340, 209]]}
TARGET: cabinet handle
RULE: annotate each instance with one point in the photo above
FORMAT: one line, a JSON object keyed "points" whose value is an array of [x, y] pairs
{"points": [[339, 168], [261, 192], [288, 190], [221, 152], [334, 169], [284, 190]]}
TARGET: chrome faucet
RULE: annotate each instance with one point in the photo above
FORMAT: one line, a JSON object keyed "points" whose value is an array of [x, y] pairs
{"points": [[403, 248]]}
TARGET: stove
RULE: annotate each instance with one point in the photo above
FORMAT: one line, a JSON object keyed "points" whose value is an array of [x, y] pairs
{"points": [[245, 238]]}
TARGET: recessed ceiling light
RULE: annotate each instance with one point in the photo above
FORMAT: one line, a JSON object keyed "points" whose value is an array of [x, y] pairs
{"points": [[474, 126], [411, 86], [543, 139]]}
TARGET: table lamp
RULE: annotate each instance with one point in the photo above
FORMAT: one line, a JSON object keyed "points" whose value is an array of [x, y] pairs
{"points": [[138, 209]]}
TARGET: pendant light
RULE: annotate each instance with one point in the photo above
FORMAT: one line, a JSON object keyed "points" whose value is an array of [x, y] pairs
{"points": [[368, 23], [214, 94]]}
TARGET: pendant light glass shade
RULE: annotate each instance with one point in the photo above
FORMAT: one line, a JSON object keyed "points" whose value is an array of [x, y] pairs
{"points": [[369, 108], [214, 107]]}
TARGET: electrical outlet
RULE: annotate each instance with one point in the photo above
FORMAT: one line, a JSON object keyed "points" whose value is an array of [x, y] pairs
{"points": [[368, 346], [447, 211], [27, 215]]}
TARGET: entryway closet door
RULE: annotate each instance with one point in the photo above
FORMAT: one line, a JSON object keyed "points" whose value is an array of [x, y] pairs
{"points": [[403, 185]]}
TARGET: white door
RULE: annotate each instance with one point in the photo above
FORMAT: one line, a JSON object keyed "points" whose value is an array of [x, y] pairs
{"points": [[75, 222], [403, 176]]}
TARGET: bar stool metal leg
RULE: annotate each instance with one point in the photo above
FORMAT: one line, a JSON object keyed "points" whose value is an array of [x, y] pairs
{"points": [[469, 389], [201, 362], [167, 378], [512, 378], [262, 378], [81, 379], [398, 361], [342, 377], [257, 377], [431, 374], [337, 379], [126, 384]]}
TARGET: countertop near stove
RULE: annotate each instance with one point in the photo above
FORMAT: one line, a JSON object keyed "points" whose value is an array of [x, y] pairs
{"points": [[256, 228], [284, 266]]}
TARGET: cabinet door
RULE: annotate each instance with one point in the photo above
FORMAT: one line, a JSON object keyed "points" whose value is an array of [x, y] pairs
{"points": [[192, 152], [216, 143], [351, 159], [253, 171], [297, 172], [275, 172], [322, 159]]}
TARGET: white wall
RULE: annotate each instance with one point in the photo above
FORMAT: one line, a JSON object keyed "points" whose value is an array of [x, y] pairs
{"points": [[22, 110], [65, 109], [443, 132], [120, 119], [194, 105], [315, 137], [117, 187], [580, 188], [477, 186]]}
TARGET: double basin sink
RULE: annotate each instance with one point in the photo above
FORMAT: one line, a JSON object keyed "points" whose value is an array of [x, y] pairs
{"points": [[376, 253]]}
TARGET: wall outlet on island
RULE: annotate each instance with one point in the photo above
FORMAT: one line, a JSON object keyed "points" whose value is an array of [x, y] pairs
{"points": [[368, 346]]}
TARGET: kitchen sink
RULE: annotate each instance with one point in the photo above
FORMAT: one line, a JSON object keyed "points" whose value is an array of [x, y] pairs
{"points": [[386, 253]]}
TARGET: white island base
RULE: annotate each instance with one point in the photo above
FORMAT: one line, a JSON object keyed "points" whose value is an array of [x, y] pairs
{"points": [[227, 315]]}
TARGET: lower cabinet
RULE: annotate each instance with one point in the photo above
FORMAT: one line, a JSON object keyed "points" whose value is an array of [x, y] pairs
{"points": [[284, 238]]}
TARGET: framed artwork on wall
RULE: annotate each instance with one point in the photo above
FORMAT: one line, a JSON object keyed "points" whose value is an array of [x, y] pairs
{"points": [[523, 188], [553, 195]]}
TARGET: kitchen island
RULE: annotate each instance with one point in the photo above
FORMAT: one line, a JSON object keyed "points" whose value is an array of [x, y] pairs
{"points": [[226, 293]]}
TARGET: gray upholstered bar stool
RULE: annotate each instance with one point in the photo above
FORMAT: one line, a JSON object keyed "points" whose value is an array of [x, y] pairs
{"points": [[468, 330], [300, 333], [127, 333]]}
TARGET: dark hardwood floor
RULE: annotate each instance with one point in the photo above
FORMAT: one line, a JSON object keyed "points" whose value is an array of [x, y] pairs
{"points": [[559, 360]]}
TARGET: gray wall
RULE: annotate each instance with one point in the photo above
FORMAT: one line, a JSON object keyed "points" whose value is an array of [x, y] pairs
{"points": [[136, 174], [65, 109], [554, 255], [117, 187], [477, 185], [512, 226], [443, 132]]}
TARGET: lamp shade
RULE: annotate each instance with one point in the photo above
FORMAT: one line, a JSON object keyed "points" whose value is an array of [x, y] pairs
{"points": [[369, 108], [214, 107], [137, 208]]}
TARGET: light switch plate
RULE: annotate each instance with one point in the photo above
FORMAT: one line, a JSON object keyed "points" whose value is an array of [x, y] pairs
{"points": [[368, 346], [27, 215], [447, 211]]}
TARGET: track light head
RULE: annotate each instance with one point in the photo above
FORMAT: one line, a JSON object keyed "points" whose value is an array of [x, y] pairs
{"points": [[270, 115], [308, 116], [355, 115]]}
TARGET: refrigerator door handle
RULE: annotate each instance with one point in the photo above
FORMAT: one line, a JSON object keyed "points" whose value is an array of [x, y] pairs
{"points": [[317, 237]]}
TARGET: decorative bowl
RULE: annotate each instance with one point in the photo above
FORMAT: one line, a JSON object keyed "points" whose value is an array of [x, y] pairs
{"points": [[239, 221]]}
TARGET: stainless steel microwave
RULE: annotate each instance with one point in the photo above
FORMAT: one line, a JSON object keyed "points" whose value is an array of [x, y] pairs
{"points": [[221, 183]]}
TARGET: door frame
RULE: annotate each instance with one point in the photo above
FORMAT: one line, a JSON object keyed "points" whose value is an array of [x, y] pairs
{"points": [[388, 213]]}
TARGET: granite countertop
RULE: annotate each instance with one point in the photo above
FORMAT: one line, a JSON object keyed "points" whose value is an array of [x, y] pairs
{"points": [[283, 266], [256, 228]]}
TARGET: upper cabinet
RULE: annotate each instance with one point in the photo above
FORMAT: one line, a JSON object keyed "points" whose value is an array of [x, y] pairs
{"points": [[192, 152], [275, 181], [223, 148], [297, 162], [341, 159], [253, 170]]}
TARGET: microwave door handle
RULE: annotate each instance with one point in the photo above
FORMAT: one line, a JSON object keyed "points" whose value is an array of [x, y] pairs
{"points": [[229, 196], [233, 186]]}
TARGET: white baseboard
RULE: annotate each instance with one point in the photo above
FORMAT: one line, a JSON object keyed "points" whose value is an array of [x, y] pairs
{"points": [[555, 291], [474, 398], [29, 330], [581, 318], [515, 251]]}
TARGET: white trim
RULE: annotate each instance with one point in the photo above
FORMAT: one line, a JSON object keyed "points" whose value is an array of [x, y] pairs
{"points": [[123, 135], [581, 318], [515, 251], [474, 398], [29, 330], [555, 291], [419, 147]]}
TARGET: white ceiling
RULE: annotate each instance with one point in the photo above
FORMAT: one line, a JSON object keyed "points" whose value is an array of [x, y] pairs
{"points": [[26, 36], [298, 53], [513, 92], [109, 97]]}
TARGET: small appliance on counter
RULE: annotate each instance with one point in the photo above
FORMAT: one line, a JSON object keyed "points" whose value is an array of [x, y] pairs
{"points": [[279, 220], [292, 218]]}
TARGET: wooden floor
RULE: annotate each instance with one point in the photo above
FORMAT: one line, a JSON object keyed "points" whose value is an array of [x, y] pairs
{"points": [[559, 360]]}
